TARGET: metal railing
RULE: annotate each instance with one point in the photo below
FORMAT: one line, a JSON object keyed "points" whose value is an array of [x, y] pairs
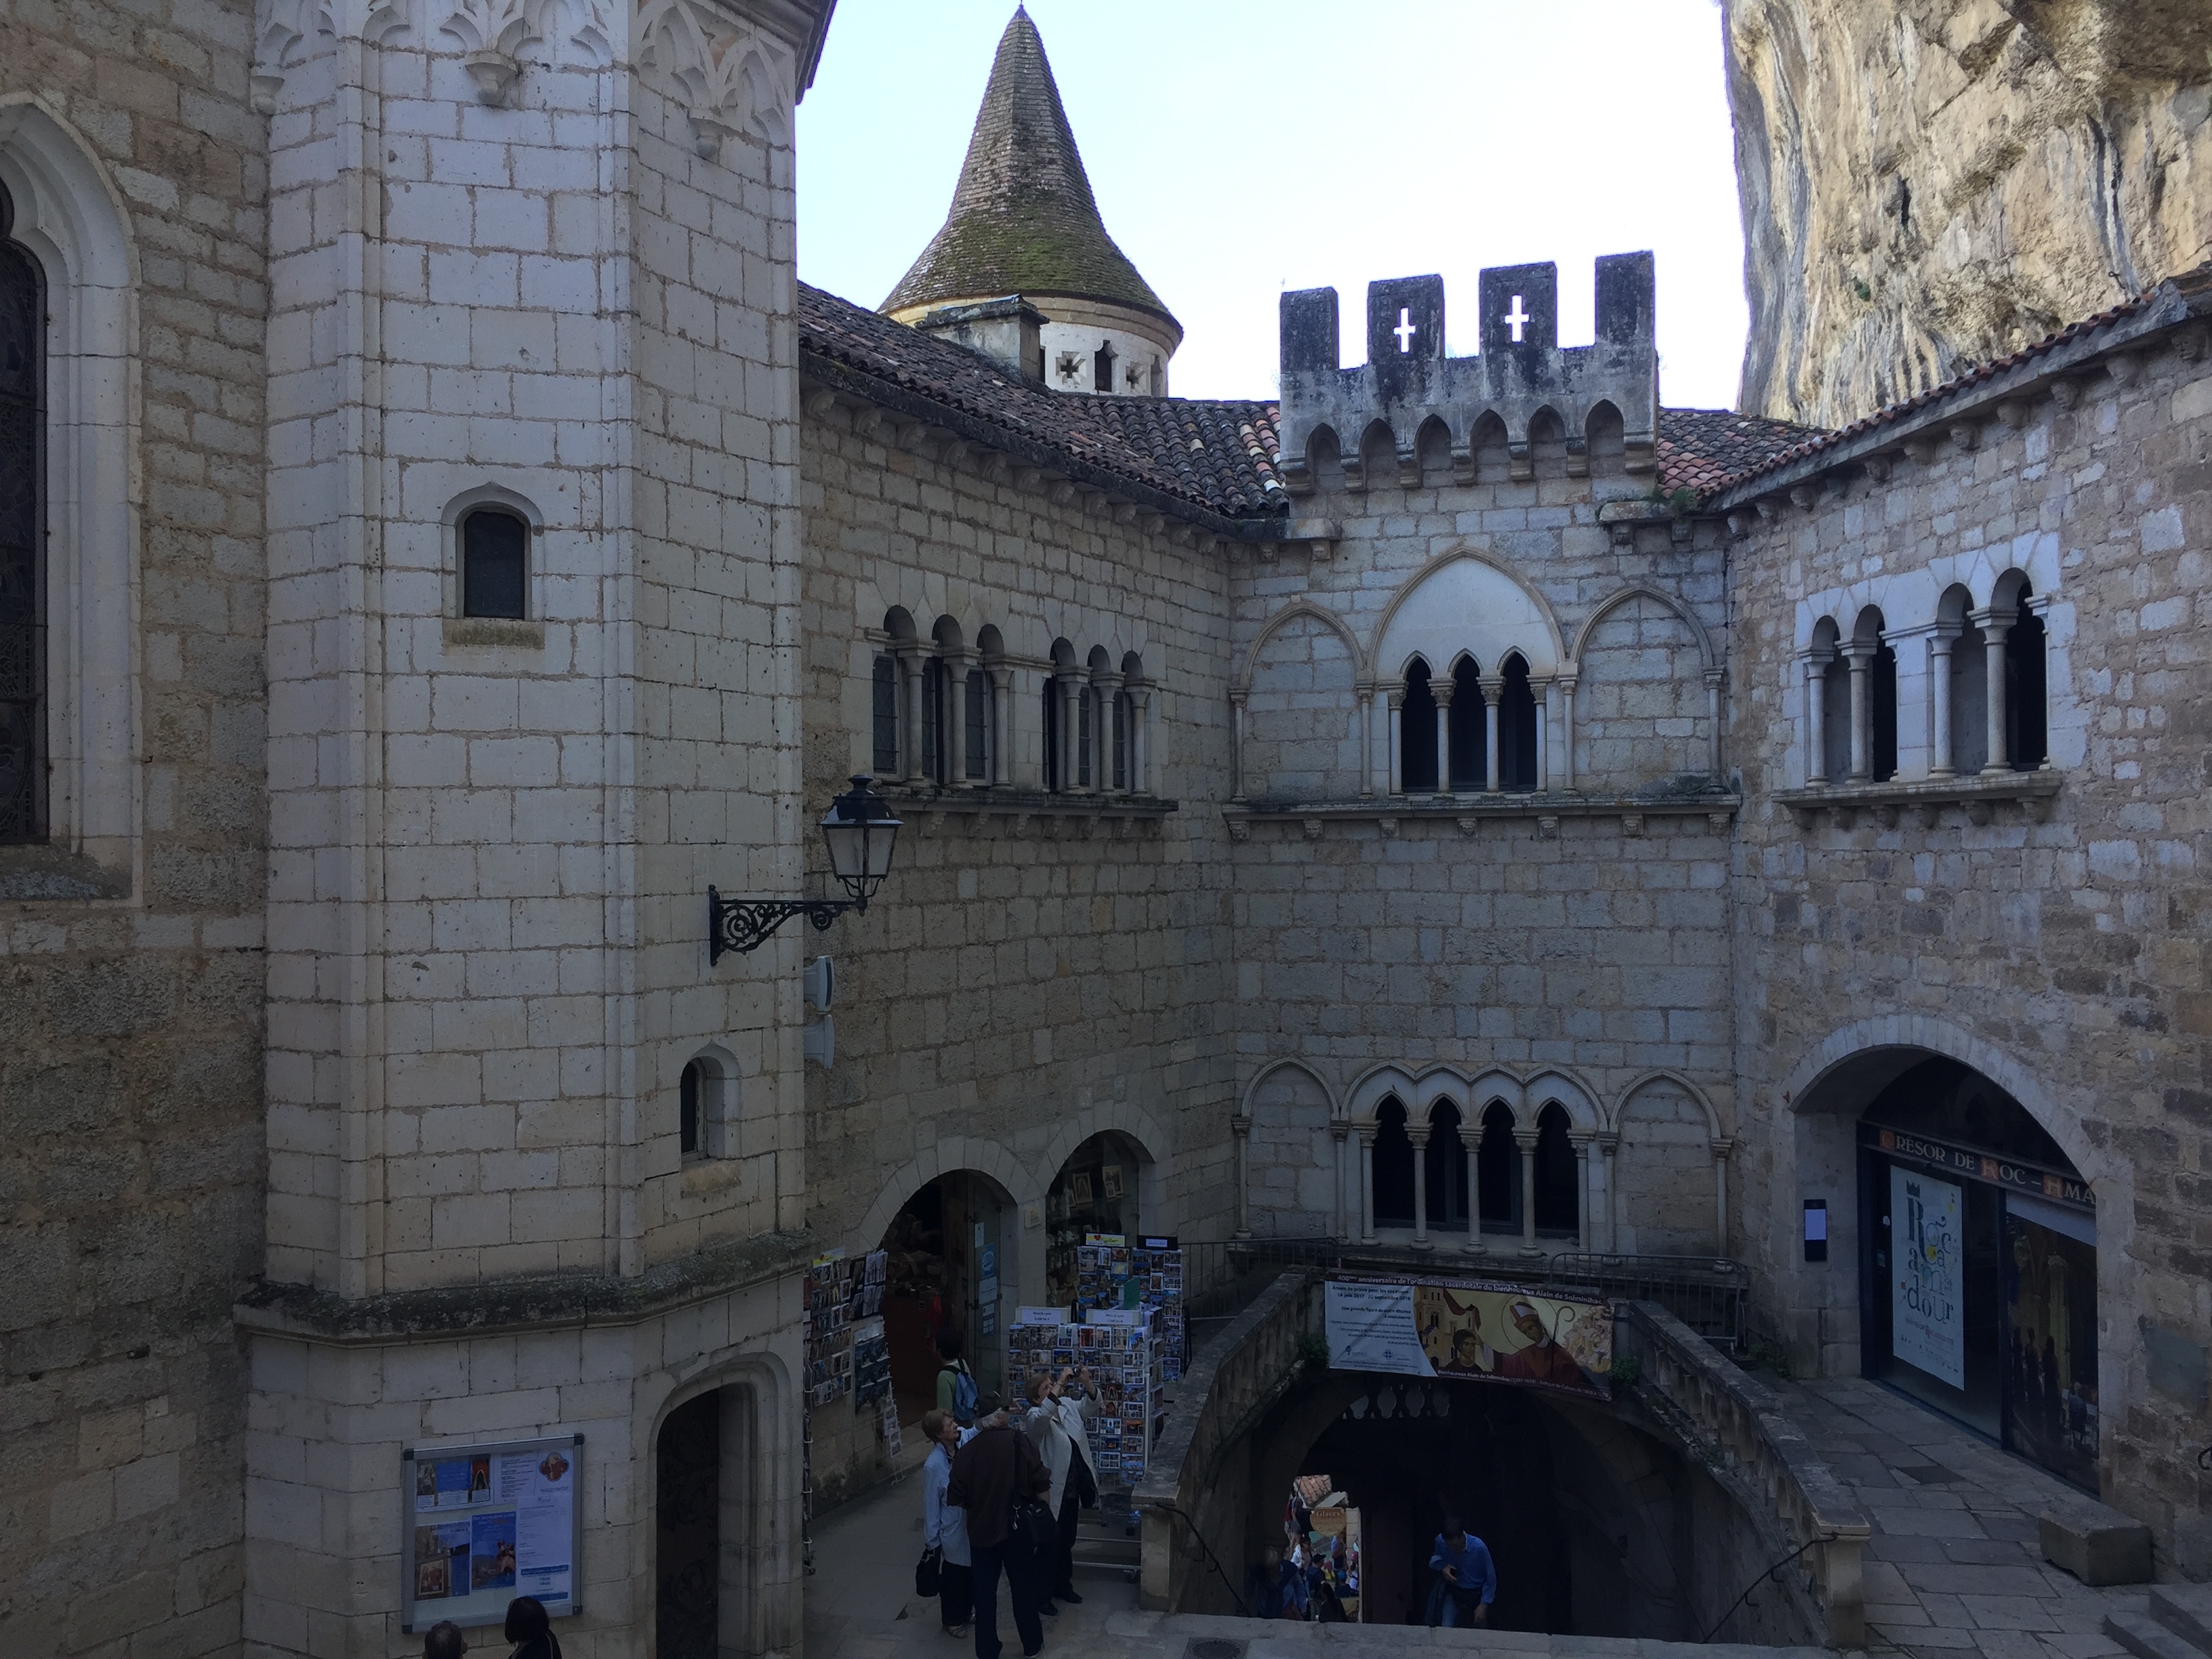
{"points": [[1706, 1293]]}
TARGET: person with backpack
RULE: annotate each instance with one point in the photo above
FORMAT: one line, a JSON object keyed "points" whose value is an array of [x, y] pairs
{"points": [[1001, 1481], [1466, 1582], [956, 1384]]}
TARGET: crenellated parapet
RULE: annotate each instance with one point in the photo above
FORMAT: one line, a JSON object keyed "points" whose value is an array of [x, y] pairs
{"points": [[1410, 412]]}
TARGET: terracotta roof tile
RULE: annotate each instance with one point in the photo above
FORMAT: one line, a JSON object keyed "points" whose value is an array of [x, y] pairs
{"points": [[1216, 457], [1701, 449]]}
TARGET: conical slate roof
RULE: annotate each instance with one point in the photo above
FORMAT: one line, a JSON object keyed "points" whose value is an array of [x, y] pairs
{"points": [[1024, 220]]}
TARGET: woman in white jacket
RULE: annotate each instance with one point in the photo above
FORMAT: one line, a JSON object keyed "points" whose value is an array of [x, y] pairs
{"points": [[1057, 1421]]}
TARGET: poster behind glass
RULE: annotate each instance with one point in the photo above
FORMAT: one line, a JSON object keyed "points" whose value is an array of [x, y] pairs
{"points": [[1928, 1304], [2051, 1355], [485, 1524]]}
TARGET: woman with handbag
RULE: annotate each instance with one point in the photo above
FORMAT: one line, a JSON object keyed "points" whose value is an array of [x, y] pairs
{"points": [[943, 1569]]}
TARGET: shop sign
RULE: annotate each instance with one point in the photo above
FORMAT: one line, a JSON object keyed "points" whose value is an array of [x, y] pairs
{"points": [[1928, 1309], [2010, 1172], [1457, 1328], [485, 1524]]}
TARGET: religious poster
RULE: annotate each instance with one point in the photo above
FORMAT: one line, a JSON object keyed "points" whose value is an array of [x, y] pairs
{"points": [[2051, 1313], [1928, 1309], [488, 1523], [1470, 1329]]}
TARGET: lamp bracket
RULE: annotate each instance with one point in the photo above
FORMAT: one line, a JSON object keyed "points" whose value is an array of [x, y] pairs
{"points": [[736, 924]]}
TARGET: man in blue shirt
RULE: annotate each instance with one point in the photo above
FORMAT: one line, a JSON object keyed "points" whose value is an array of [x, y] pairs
{"points": [[1466, 1581]]}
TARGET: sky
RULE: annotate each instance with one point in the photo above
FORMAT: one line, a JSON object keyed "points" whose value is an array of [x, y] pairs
{"points": [[1240, 147]]}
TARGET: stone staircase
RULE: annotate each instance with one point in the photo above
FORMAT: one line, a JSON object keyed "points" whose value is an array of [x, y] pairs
{"points": [[1106, 1541], [2177, 1625]]}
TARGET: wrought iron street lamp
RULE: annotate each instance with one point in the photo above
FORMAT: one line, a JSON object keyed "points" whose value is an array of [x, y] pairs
{"points": [[860, 833]]}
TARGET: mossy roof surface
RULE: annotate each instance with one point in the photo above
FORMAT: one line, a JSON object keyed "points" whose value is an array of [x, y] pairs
{"points": [[1024, 220]]}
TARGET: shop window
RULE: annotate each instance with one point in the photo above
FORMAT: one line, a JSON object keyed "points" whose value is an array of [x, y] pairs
{"points": [[1394, 1167]]}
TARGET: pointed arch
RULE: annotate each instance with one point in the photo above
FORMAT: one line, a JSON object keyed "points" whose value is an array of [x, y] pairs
{"points": [[1433, 450], [1619, 597], [1297, 608], [1490, 448], [1475, 603], [1605, 440]]}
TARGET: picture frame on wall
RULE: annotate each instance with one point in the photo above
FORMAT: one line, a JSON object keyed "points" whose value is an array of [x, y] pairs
{"points": [[1078, 1191], [1109, 1180]]}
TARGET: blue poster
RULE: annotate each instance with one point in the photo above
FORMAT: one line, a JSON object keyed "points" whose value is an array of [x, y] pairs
{"points": [[491, 1550]]}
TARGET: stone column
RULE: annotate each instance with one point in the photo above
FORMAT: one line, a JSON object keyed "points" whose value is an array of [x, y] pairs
{"points": [[1567, 680], [1713, 679], [1236, 746], [1002, 721], [1860, 660], [1995, 625], [1542, 690], [1526, 1140], [1941, 764], [956, 664], [1493, 687], [1816, 719], [1722, 1147], [1367, 1183], [1608, 1145], [1580, 1143], [910, 665], [1241, 1126], [1107, 688], [1440, 692], [1396, 697], [1468, 1146], [1339, 1221], [1418, 1134], [1366, 741]]}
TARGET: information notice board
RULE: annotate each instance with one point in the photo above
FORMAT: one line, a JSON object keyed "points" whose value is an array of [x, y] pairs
{"points": [[485, 1524]]}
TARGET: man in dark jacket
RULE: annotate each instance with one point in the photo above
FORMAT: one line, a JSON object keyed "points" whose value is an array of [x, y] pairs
{"points": [[998, 1465]]}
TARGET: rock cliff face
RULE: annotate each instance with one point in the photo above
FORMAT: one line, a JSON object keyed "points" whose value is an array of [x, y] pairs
{"points": [[1926, 184]]}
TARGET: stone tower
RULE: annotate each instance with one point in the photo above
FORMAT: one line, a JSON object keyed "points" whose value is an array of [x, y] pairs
{"points": [[1024, 223]]}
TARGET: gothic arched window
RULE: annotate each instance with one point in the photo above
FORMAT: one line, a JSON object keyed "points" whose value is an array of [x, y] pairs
{"points": [[1417, 733], [1517, 729], [22, 537], [1446, 1169], [1394, 1167], [1498, 1172], [2027, 723], [494, 564], [1469, 738], [1558, 1195]]}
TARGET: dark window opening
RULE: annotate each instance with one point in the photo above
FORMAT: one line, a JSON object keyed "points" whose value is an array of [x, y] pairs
{"points": [[933, 719], [494, 562], [22, 540], [2027, 730], [1120, 741], [687, 1111], [1417, 733], [977, 713], [1497, 1172], [1881, 698], [1082, 736], [884, 697], [1101, 367], [1517, 730], [1053, 780], [1447, 1171], [1970, 702], [1469, 721], [1558, 1197], [1394, 1167], [1836, 719]]}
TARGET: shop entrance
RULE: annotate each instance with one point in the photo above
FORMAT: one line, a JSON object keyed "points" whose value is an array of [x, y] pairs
{"points": [[1977, 1277], [950, 1250], [1095, 1192]]}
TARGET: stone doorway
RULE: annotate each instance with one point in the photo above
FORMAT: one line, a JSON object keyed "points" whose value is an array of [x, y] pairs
{"points": [[687, 1519], [951, 1268]]}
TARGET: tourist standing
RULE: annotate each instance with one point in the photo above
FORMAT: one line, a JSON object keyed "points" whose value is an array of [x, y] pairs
{"points": [[1466, 1581], [945, 1526], [530, 1627], [1057, 1422], [956, 1384], [999, 1464]]}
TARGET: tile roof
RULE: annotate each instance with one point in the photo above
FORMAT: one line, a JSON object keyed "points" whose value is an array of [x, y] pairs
{"points": [[2190, 291], [1702, 449], [1201, 459], [1024, 220]]}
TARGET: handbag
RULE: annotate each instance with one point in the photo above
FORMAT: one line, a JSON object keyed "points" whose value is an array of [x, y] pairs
{"points": [[1032, 1530], [926, 1573]]}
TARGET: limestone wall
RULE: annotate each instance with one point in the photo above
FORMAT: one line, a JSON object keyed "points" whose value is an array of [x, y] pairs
{"points": [[2062, 956], [130, 1157]]}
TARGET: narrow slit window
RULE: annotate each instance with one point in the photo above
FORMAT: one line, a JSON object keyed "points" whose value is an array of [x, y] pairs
{"points": [[933, 719], [687, 1111], [494, 564], [977, 715], [1082, 736], [1053, 781], [23, 538], [1120, 741], [884, 701], [1102, 366]]}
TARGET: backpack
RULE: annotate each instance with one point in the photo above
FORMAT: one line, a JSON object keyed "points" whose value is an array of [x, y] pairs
{"points": [[964, 1395]]}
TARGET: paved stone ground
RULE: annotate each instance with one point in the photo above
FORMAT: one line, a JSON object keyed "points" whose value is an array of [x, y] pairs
{"points": [[1953, 1563]]}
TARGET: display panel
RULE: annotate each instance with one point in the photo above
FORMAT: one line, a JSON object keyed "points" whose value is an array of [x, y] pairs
{"points": [[1466, 1327], [1928, 1304], [2050, 1354], [485, 1524]]}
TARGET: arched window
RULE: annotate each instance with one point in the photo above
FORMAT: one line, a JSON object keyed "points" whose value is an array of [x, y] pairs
{"points": [[1517, 729], [934, 745], [22, 539], [1121, 739], [1054, 778], [494, 564], [1101, 367], [1558, 1199], [705, 1105], [1394, 1167], [1085, 697], [1836, 718], [1417, 733], [1970, 701], [883, 693], [1498, 1172], [1881, 743], [1470, 738], [687, 1111], [2028, 723], [1446, 1169], [977, 716]]}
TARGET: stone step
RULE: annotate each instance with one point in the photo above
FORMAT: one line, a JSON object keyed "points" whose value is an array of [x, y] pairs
{"points": [[2147, 1638], [2186, 1610]]}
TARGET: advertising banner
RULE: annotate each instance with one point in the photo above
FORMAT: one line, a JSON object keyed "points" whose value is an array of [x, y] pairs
{"points": [[486, 1524], [1470, 1329], [1928, 1309]]}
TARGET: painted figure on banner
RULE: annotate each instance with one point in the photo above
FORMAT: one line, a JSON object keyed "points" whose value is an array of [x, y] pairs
{"points": [[1543, 1360]]}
